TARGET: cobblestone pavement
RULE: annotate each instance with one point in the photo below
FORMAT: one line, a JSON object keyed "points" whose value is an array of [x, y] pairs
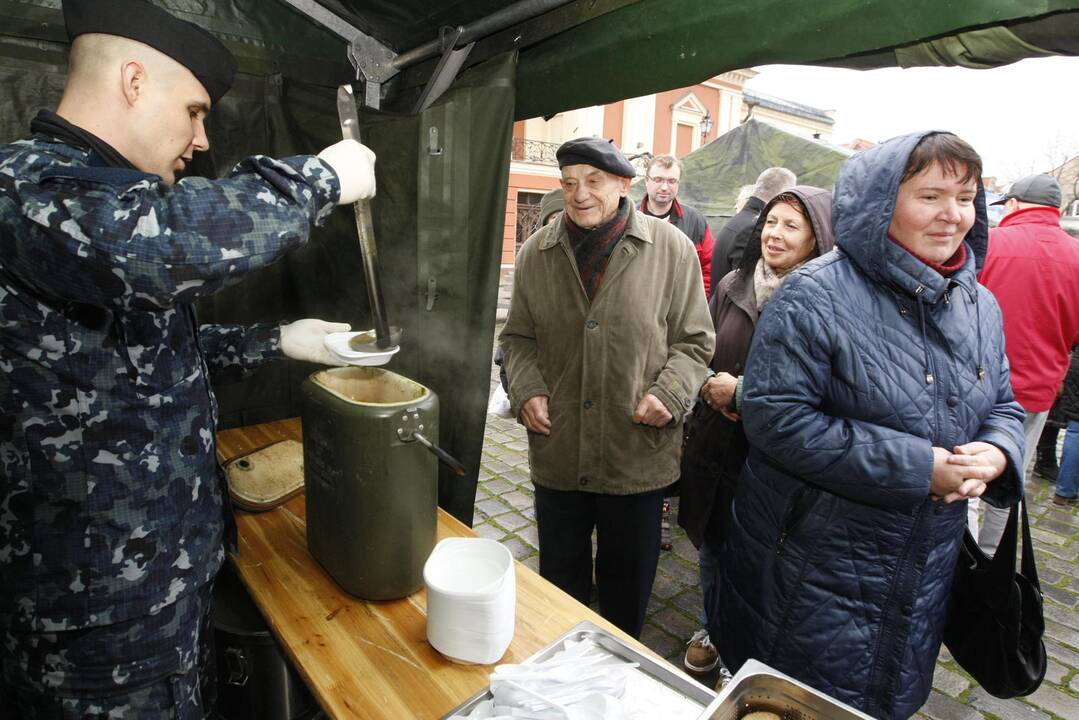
{"points": [[504, 512]]}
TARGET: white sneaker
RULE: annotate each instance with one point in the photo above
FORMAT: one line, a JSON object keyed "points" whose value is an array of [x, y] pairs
{"points": [[701, 655], [724, 678]]}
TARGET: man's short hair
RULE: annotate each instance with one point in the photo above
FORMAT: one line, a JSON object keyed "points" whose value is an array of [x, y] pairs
{"points": [[664, 161], [743, 195], [773, 181]]}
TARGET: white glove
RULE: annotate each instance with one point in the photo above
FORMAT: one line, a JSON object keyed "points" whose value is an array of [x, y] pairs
{"points": [[354, 164], [303, 340]]}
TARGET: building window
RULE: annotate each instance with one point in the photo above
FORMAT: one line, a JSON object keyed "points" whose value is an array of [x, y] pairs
{"points": [[528, 211], [684, 140]]}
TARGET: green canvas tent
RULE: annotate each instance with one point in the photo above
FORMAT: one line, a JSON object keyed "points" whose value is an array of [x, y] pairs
{"points": [[443, 154], [712, 175]]}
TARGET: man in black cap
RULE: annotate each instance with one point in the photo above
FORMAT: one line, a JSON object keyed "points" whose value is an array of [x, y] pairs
{"points": [[606, 343], [113, 518], [1032, 267]]}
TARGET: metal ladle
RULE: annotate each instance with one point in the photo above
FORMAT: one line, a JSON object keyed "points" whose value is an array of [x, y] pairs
{"points": [[350, 130]]}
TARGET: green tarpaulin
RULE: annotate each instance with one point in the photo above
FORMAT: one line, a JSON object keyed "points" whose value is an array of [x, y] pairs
{"points": [[715, 173]]}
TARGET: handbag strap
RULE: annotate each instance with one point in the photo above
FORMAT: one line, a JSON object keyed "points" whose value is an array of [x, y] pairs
{"points": [[1030, 570]]}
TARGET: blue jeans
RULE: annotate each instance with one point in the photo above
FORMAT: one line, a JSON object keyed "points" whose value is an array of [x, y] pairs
{"points": [[1068, 480]]}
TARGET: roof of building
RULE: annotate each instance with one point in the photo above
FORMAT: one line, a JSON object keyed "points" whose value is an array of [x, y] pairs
{"points": [[772, 102]]}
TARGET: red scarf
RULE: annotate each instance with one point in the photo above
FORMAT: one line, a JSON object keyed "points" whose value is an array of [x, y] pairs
{"points": [[592, 248], [950, 266]]}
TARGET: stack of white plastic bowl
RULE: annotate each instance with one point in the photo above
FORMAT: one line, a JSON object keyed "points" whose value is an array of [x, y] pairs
{"points": [[471, 599]]}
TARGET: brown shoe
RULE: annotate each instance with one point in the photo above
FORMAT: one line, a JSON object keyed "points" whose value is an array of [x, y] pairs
{"points": [[701, 655], [1061, 500]]}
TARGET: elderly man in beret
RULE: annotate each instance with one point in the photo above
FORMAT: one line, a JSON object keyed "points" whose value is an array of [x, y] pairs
{"points": [[113, 510], [606, 342]]}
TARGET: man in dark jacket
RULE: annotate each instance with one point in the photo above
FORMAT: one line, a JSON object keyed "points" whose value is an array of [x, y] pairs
{"points": [[115, 515], [662, 177], [1033, 270], [732, 239]]}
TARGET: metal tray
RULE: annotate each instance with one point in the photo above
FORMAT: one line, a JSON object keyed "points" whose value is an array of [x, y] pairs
{"points": [[688, 690], [756, 686]]}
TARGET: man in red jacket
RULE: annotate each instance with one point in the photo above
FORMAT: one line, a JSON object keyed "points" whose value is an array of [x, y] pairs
{"points": [[1033, 270], [661, 183]]}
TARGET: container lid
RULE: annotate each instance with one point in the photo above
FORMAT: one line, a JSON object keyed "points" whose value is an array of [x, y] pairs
{"points": [[370, 386]]}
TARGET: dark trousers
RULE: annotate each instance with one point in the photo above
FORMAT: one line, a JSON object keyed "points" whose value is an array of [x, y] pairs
{"points": [[148, 668], [627, 549]]}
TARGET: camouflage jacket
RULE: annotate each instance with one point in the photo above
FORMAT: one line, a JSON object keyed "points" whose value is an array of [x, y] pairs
{"points": [[110, 493]]}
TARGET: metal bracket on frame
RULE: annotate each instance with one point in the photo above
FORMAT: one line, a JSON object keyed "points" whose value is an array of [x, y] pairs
{"points": [[374, 65], [449, 64], [373, 61]]}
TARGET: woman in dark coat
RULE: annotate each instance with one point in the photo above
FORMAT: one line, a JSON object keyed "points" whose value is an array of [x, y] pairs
{"points": [[877, 400], [792, 229]]}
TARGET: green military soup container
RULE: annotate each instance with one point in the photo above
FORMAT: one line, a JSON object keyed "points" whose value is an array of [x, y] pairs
{"points": [[372, 490]]}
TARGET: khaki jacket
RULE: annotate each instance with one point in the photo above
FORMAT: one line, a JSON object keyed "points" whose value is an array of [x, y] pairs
{"points": [[646, 331]]}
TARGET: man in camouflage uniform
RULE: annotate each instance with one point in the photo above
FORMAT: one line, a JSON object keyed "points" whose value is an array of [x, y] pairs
{"points": [[113, 518]]}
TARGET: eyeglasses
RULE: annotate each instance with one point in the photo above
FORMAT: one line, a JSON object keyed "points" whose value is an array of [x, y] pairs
{"points": [[664, 181]]}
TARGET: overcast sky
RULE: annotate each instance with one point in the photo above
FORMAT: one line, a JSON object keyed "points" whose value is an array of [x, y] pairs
{"points": [[1021, 118]]}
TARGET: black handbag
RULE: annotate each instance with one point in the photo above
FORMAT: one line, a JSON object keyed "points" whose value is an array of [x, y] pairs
{"points": [[995, 624]]}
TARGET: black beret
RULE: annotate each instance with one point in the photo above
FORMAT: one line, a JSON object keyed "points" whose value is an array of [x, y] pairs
{"points": [[598, 153], [186, 43]]}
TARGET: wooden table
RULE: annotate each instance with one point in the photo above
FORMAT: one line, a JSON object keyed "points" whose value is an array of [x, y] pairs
{"points": [[366, 659]]}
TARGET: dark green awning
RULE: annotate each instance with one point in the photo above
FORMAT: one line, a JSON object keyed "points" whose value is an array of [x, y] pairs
{"points": [[589, 52]]}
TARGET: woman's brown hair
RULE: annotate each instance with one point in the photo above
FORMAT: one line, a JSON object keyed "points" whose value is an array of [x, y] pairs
{"points": [[952, 153], [794, 201]]}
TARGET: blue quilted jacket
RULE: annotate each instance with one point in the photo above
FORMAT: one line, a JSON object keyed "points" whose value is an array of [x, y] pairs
{"points": [[839, 565]]}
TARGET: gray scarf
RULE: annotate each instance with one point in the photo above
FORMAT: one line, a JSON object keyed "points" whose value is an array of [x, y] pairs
{"points": [[766, 281]]}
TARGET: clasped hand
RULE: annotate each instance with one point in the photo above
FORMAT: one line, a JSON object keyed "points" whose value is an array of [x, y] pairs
{"points": [[536, 417], [965, 472], [718, 392]]}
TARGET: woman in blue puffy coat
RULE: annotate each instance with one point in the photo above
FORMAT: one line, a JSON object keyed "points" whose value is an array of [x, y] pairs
{"points": [[876, 400]]}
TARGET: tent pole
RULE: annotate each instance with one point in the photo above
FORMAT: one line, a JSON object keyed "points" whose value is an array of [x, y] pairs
{"points": [[495, 22], [376, 63]]}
